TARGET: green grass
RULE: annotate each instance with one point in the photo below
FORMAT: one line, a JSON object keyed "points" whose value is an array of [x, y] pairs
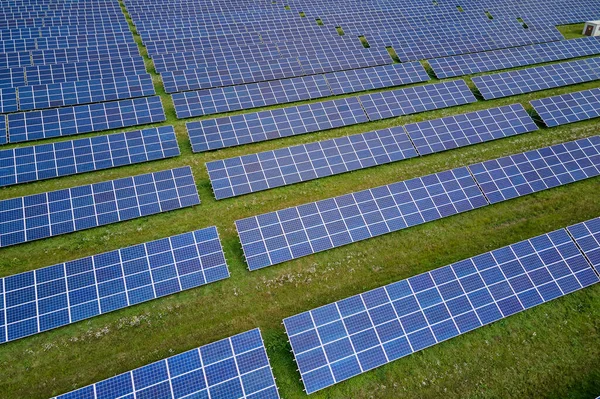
{"points": [[550, 351], [571, 31]]}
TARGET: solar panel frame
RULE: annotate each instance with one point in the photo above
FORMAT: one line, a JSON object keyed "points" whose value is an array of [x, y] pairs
{"points": [[62, 294], [351, 336], [265, 170], [38, 216], [210, 134], [291, 233], [57, 122], [568, 108], [537, 170], [237, 366], [47, 161]]}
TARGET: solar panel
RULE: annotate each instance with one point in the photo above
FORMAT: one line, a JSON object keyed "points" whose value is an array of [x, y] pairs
{"points": [[416, 99], [84, 92], [568, 108], [375, 78], [66, 293], [466, 129], [538, 78], [3, 136], [351, 336], [587, 237], [46, 161], [8, 100], [256, 172], [235, 367], [12, 77], [291, 233], [68, 121], [53, 213], [253, 95], [516, 175], [210, 134]]}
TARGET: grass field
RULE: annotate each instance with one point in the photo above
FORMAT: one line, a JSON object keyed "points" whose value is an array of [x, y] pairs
{"points": [[551, 351]]}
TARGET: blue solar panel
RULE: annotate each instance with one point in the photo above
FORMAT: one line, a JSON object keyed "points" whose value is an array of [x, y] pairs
{"points": [[412, 100], [12, 77], [475, 127], [356, 80], [587, 237], [210, 134], [351, 336], [8, 100], [235, 367], [253, 95], [537, 170], [538, 78], [84, 92], [568, 108], [269, 169], [46, 161], [58, 212], [68, 121], [3, 135], [291, 233], [65, 293]]}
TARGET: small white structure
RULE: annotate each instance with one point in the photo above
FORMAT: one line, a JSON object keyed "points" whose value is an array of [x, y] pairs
{"points": [[592, 28]]}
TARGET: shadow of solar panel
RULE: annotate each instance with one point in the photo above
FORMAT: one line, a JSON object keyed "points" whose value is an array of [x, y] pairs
{"points": [[11, 77], [377, 77], [68, 121], [3, 135], [253, 95], [587, 237], [291, 233], [46, 161], [514, 57], [53, 213], [521, 174], [235, 367], [351, 336], [568, 108], [416, 99], [256, 172], [84, 92], [466, 129], [231, 131], [65, 293], [8, 100], [537, 78]]}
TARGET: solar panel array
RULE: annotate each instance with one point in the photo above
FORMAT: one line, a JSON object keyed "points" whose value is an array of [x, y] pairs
{"points": [[261, 171], [351, 336], [54, 296], [53, 213], [538, 78], [279, 236], [235, 367], [568, 108], [46, 161], [587, 237], [516, 175], [514, 57]]}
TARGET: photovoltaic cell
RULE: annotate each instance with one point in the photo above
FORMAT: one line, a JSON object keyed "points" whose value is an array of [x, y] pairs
{"points": [[65, 293], [537, 170], [269, 169], [568, 108], [53, 213], [416, 99], [3, 135], [351, 336], [587, 237], [46, 161], [254, 95], [84, 92], [35, 125], [356, 80], [231, 131], [291, 233], [466, 129], [538, 78], [8, 100], [12, 77], [235, 367]]}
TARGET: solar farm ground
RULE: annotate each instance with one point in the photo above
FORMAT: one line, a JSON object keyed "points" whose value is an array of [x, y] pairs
{"points": [[551, 351]]}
